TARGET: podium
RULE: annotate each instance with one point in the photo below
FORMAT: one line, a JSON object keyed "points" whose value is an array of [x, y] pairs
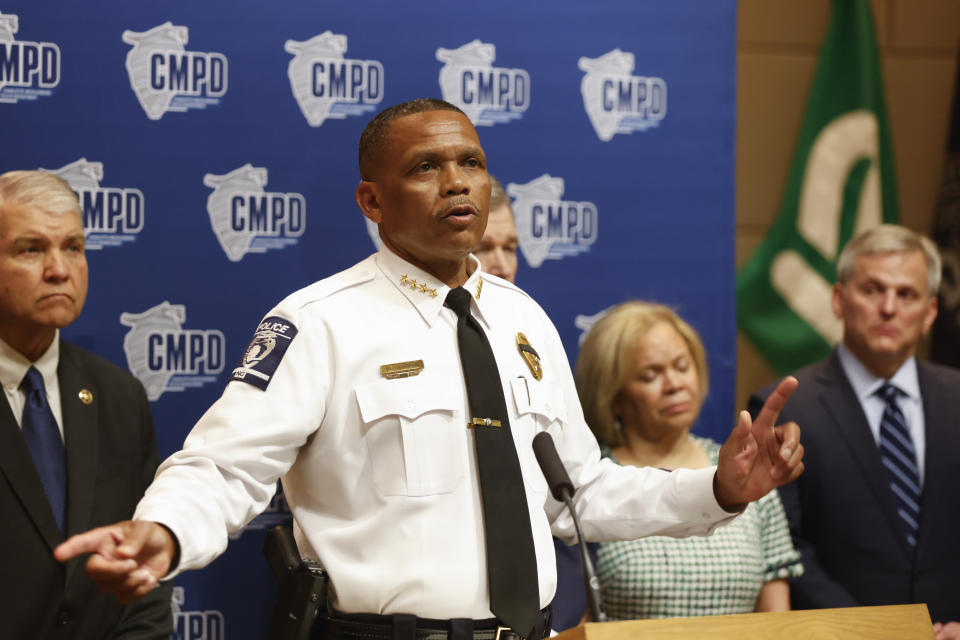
{"points": [[899, 622]]}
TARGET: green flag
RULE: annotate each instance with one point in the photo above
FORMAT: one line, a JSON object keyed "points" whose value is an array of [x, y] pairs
{"points": [[842, 181]]}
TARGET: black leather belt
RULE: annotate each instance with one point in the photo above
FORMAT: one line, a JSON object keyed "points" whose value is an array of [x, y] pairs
{"points": [[363, 626]]}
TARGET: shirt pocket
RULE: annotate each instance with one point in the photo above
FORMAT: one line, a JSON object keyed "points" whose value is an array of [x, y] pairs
{"points": [[540, 407], [414, 439]]}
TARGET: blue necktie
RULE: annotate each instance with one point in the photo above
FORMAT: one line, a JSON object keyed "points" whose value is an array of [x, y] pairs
{"points": [[900, 459], [43, 439]]}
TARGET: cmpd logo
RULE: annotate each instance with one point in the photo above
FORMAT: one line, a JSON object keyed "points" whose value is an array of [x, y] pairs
{"points": [[28, 70], [547, 226], [617, 102], [166, 77], [585, 322], [194, 625], [327, 85], [248, 219], [487, 94], [111, 215], [166, 357]]}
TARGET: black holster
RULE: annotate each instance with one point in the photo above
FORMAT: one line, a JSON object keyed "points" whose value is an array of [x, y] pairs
{"points": [[302, 596]]}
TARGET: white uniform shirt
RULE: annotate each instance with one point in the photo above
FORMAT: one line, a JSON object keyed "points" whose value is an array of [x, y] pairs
{"points": [[380, 474]]}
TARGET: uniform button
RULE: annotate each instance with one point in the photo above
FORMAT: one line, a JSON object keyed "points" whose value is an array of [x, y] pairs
{"points": [[410, 406], [63, 617], [705, 515], [548, 407]]}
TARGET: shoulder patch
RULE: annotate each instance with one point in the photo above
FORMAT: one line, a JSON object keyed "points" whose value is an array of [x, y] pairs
{"points": [[263, 356]]}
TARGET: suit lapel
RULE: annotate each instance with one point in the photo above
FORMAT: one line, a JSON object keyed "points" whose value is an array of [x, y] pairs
{"points": [[851, 424], [16, 464], [81, 439], [940, 419]]}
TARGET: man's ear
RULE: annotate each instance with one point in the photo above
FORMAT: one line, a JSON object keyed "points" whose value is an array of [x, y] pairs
{"points": [[836, 300], [368, 199]]}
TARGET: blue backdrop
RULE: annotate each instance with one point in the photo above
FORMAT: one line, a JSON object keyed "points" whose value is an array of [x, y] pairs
{"points": [[214, 147]]}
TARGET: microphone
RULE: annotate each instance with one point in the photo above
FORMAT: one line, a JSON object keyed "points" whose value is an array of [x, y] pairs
{"points": [[562, 489]]}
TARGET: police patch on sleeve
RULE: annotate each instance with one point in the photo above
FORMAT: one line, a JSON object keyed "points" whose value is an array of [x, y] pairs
{"points": [[265, 352]]}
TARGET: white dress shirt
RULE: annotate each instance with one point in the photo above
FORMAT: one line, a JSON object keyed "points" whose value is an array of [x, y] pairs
{"points": [[865, 385], [14, 366], [380, 473]]}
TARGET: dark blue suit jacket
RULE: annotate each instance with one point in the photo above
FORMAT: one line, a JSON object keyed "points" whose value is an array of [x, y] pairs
{"points": [[111, 458], [842, 512]]}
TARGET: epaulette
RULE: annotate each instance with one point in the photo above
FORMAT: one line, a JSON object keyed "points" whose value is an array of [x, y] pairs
{"points": [[359, 273], [495, 281]]}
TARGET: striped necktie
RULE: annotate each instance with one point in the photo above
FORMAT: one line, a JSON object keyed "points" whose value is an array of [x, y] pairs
{"points": [[900, 458]]}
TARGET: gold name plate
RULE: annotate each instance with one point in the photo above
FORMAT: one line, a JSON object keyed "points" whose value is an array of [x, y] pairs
{"points": [[401, 369]]}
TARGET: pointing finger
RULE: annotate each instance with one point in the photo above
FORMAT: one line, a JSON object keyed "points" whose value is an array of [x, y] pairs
{"points": [[91, 541], [774, 405]]}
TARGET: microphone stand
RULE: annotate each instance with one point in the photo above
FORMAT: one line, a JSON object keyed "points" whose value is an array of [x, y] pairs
{"points": [[590, 582], [562, 489]]}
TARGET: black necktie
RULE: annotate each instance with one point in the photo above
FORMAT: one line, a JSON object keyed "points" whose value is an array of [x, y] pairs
{"points": [[900, 458], [511, 558], [43, 440]]}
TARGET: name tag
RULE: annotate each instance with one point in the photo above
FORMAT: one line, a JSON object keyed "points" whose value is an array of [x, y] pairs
{"points": [[401, 369]]}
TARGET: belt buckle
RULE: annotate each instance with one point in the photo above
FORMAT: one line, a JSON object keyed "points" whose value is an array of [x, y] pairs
{"points": [[505, 630]]}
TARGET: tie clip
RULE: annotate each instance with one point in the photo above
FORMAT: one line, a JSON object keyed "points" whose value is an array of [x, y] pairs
{"points": [[483, 422], [401, 369]]}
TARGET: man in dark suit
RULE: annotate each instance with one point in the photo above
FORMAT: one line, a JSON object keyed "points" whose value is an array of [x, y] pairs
{"points": [[877, 511], [77, 445]]}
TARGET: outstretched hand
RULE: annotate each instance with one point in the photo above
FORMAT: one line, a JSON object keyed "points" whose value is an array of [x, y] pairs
{"points": [[128, 558], [947, 630], [759, 456]]}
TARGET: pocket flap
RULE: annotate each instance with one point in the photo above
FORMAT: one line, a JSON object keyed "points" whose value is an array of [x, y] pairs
{"points": [[407, 397], [542, 398]]}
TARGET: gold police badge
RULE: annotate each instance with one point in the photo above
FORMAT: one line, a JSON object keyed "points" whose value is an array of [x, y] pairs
{"points": [[530, 355]]}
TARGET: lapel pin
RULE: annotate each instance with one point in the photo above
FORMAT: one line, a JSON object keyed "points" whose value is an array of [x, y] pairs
{"points": [[86, 396]]}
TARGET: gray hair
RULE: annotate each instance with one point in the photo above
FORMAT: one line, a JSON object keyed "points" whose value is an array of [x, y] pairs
{"points": [[891, 238], [38, 190]]}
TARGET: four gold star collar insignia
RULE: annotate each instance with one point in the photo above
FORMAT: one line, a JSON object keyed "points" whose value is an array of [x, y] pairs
{"points": [[421, 286]]}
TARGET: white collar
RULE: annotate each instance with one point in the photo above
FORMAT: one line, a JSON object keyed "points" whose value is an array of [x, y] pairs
{"points": [[865, 383], [424, 291], [14, 365]]}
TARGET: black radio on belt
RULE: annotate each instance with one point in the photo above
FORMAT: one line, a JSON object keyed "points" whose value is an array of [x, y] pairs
{"points": [[302, 596]]}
